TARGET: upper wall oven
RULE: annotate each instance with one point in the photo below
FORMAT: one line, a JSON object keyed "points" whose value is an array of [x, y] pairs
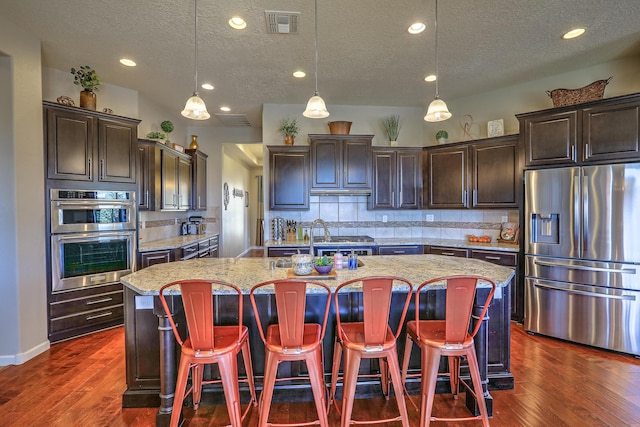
{"points": [[81, 211]]}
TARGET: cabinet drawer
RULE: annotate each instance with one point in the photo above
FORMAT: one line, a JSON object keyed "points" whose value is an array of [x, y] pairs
{"points": [[109, 314], [501, 258], [400, 250], [440, 250], [79, 305], [213, 241], [203, 245], [276, 252], [190, 251], [84, 293]]}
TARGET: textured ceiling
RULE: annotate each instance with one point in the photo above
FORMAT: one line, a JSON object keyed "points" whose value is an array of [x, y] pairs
{"points": [[366, 56]]}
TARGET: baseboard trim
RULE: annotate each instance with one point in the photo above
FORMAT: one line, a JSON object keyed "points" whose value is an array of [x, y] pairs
{"points": [[20, 358], [249, 249]]}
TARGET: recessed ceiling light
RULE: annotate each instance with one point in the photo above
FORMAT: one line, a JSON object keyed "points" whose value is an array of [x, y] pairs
{"points": [[299, 74], [238, 23], [128, 62], [416, 28], [225, 108], [573, 33], [207, 86], [430, 78]]}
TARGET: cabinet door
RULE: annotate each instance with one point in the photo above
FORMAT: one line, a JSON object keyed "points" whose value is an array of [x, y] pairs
{"points": [[384, 179], [611, 133], [184, 183], [409, 183], [117, 145], [447, 178], [326, 166], [199, 186], [356, 163], [551, 139], [170, 186], [70, 142], [446, 251], [289, 178], [145, 170], [496, 174], [154, 257]]}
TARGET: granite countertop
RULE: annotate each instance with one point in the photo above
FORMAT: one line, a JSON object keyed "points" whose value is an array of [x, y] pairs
{"points": [[494, 246], [174, 242], [247, 272]]}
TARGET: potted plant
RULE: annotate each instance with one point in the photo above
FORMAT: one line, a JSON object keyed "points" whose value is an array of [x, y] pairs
{"points": [[86, 77], [392, 128], [442, 136], [167, 126], [289, 129], [156, 135]]}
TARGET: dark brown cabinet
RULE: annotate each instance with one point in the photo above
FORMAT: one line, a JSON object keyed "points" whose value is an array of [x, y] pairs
{"points": [[495, 173], [606, 130], [286, 251], [89, 146], [150, 258], [199, 181], [146, 175], [397, 179], [340, 162], [288, 178], [446, 177], [401, 250], [508, 259], [478, 174], [176, 180]]}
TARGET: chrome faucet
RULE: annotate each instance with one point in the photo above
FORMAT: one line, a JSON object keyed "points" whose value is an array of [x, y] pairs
{"points": [[327, 237]]}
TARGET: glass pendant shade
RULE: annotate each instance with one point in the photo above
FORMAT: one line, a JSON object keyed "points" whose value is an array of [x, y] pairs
{"points": [[195, 108], [316, 108], [437, 111]]}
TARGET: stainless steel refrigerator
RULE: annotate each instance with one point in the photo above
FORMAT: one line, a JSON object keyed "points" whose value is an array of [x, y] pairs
{"points": [[582, 255]]}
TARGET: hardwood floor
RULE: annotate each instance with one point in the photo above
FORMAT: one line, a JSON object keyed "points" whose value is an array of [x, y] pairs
{"points": [[80, 382]]}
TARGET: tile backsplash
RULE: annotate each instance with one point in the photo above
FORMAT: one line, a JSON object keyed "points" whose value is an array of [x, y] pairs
{"points": [[164, 225], [348, 215]]}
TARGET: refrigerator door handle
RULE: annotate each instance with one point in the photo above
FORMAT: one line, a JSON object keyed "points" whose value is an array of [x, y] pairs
{"points": [[576, 212], [585, 214], [586, 268], [586, 293]]}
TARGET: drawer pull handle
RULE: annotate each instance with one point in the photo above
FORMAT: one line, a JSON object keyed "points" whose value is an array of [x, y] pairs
{"points": [[399, 252], [96, 278], [97, 316], [99, 301], [495, 258], [448, 253]]}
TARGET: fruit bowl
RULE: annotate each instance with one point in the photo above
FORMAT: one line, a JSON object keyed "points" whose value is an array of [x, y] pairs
{"points": [[323, 269]]}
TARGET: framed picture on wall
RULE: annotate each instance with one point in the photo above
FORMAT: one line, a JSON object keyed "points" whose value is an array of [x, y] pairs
{"points": [[246, 199]]}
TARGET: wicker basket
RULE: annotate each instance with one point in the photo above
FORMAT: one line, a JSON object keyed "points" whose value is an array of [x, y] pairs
{"points": [[591, 92]]}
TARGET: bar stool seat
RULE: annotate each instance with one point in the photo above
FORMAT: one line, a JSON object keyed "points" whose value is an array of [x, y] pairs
{"points": [[208, 343], [451, 338]]}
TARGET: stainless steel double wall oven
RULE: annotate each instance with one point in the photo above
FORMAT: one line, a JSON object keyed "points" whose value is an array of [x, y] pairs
{"points": [[93, 237]]}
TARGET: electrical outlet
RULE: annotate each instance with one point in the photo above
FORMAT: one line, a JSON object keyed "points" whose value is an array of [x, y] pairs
{"points": [[384, 218], [505, 218], [430, 217]]}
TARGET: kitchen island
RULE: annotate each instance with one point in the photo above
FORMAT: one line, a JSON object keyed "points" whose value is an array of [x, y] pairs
{"points": [[151, 353]]}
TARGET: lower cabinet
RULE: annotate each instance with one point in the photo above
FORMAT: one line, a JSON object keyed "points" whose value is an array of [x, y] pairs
{"points": [[206, 248], [148, 259], [401, 250], [283, 251], [499, 311], [83, 311]]}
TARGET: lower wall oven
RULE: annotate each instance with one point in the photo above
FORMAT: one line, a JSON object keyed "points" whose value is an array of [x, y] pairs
{"points": [[80, 260]]}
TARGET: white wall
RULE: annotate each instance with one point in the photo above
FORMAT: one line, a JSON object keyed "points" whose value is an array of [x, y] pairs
{"points": [[23, 308], [236, 232]]}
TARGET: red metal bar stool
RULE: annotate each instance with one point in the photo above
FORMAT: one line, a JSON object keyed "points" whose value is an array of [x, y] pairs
{"points": [[292, 339], [449, 337], [209, 343], [370, 338]]}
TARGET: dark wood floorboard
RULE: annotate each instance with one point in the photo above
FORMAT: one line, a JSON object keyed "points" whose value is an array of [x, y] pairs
{"points": [[80, 383]]}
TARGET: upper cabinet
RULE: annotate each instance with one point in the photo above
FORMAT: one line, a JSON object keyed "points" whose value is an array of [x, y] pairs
{"points": [[89, 146], [340, 162], [606, 130], [164, 177], [477, 174], [199, 180], [289, 177], [397, 178]]}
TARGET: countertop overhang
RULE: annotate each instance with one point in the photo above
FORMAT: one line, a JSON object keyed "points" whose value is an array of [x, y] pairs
{"points": [[247, 272]]}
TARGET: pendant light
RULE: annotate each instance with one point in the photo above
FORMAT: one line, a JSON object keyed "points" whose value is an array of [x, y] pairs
{"points": [[437, 110], [316, 108], [195, 108]]}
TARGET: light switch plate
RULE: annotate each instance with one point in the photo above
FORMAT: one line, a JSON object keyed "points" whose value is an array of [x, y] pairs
{"points": [[430, 218], [384, 218], [505, 218]]}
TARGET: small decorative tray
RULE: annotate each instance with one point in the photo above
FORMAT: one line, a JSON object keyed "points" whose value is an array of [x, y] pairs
{"points": [[314, 275]]}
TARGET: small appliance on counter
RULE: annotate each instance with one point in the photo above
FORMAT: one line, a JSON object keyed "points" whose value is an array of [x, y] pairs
{"points": [[195, 225]]}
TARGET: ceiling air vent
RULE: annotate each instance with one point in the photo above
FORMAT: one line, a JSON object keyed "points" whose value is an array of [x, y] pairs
{"points": [[233, 119], [279, 22]]}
